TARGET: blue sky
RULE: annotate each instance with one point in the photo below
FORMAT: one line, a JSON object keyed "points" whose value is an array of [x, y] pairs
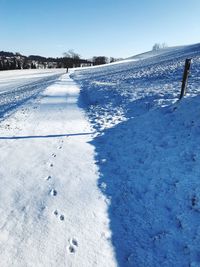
{"points": [[118, 28]]}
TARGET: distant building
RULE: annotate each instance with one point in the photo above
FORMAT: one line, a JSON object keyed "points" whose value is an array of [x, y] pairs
{"points": [[86, 64]]}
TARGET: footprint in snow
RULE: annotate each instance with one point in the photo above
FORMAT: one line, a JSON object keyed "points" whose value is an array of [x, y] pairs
{"points": [[74, 242], [71, 249], [61, 217], [55, 212], [51, 165], [53, 155], [53, 192], [73, 245], [60, 146], [48, 178]]}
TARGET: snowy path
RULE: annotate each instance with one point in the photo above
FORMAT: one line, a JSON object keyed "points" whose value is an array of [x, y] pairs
{"points": [[18, 86], [51, 211]]}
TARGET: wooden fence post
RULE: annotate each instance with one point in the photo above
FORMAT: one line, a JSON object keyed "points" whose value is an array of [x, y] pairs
{"points": [[185, 77]]}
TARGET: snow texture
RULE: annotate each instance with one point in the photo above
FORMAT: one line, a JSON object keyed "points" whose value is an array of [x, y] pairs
{"points": [[51, 210], [148, 154], [16, 87], [105, 175]]}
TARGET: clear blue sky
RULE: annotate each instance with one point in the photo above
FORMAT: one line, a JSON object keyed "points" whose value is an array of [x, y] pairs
{"points": [[118, 28]]}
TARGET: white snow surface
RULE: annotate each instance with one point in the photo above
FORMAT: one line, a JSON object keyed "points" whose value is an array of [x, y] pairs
{"points": [[16, 87], [10, 79], [104, 175], [148, 153], [52, 212]]}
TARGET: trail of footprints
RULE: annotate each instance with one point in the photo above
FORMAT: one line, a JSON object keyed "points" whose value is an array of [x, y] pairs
{"points": [[73, 243], [53, 192]]}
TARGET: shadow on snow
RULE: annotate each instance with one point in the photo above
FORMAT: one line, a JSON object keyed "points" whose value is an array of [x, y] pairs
{"points": [[150, 178], [42, 136]]}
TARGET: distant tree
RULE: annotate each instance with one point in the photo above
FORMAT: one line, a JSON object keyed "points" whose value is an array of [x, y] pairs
{"points": [[13, 64], [6, 54], [71, 54], [1, 64], [19, 64], [112, 59], [71, 59], [100, 60], [164, 45], [25, 64], [37, 58], [158, 46], [60, 65], [18, 54], [6, 65], [33, 66]]}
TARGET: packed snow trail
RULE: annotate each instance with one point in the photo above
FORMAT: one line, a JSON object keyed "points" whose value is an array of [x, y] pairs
{"points": [[51, 210], [18, 86]]}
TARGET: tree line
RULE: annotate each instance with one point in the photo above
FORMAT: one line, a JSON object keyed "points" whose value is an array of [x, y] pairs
{"points": [[70, 59]]}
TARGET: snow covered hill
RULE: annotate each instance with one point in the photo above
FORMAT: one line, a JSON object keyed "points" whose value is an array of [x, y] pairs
{"points": [[102, 169], [148, 154]]}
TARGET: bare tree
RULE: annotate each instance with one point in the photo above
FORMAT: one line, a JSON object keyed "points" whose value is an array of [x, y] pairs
{"points": [[100, 60], [158, 46], [71, 54]]}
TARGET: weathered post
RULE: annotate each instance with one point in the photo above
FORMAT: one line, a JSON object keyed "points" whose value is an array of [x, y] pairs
{"points": [[185, 77]]}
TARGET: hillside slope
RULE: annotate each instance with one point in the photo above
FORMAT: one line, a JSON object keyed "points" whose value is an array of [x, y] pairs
{"points": [[148, 154]]}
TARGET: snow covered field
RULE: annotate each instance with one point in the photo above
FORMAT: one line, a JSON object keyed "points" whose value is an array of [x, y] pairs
{"points": [[17, 86], [101, 167], [148, 155]]}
